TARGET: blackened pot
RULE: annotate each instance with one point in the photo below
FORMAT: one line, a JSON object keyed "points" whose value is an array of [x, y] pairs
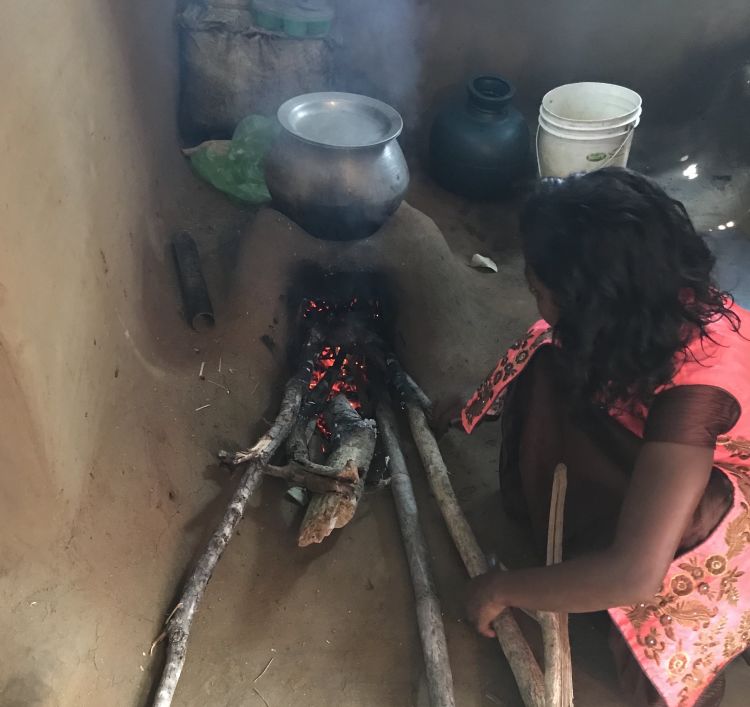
{"points": [[337, 169], [480, 144]]}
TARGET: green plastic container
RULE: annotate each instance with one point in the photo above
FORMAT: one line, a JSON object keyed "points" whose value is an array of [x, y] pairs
{"points": [[267, 20], [295, 18], [320, 28], [294, 27]]}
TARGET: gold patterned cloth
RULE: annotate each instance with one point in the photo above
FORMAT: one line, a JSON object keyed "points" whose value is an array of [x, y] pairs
{"points": [[700, 620], [685, 635]]}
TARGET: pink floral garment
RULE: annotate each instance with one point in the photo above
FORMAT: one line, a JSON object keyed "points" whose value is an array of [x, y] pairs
{"points": [[684, 635]]}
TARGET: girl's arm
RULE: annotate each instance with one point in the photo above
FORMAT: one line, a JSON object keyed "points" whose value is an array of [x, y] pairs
{"points": [[667, 484]]}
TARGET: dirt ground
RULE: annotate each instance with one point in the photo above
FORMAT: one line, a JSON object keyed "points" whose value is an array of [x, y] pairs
{"points": [[337, 620], [310, 609]]}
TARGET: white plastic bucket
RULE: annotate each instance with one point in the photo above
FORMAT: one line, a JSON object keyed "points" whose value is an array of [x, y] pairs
{"points": [[584, 127]]}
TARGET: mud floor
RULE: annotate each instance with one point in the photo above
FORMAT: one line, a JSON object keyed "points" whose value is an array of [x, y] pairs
{"points": [[337, 619], [104, 437]]}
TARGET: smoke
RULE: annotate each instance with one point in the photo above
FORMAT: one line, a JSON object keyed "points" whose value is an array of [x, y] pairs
{"points": [[381, 50]]}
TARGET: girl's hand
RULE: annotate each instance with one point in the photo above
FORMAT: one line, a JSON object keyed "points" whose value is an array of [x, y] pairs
{"points": [[483, 605]]}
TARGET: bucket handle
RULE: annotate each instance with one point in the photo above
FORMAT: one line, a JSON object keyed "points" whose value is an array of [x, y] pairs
{"points": [[606, 163]]}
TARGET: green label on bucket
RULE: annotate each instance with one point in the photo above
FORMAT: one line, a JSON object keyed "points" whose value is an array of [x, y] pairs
{"points": [[597, 156]]}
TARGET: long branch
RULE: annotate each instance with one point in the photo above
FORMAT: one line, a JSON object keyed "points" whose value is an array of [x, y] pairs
{"points": [[429, 618], [515, 647], [558, 674], [178, 625]]}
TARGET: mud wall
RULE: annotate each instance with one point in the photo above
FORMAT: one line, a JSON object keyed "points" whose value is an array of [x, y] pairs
{"points": [[413, 51], [88, 174]]}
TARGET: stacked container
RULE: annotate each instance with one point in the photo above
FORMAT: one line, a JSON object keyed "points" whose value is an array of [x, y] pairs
{"points": [[586, 126], [295, 18]]}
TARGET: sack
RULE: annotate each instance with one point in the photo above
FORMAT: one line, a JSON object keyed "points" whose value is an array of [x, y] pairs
{"points": [[231, 69]]}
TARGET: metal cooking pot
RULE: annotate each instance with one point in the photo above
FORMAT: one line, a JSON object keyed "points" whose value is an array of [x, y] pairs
{"points": [[336, 167]]}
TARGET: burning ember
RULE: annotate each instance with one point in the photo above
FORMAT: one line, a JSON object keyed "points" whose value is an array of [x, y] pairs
{"points": [[342, 370], [344, 376], [330, 310]]}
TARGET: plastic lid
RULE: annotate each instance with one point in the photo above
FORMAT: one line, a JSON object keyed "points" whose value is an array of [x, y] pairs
{"points": [[271, 6], [299, 10], [339, 119]]}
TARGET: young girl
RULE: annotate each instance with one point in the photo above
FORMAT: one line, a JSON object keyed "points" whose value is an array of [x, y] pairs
{"points": [[638, 379]]}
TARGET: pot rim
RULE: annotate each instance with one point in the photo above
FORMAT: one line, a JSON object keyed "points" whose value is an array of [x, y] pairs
{"points": [[486, 101], [297, 112]]}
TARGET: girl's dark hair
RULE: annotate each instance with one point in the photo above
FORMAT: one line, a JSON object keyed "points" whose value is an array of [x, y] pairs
{"points": [[630, 276]]}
